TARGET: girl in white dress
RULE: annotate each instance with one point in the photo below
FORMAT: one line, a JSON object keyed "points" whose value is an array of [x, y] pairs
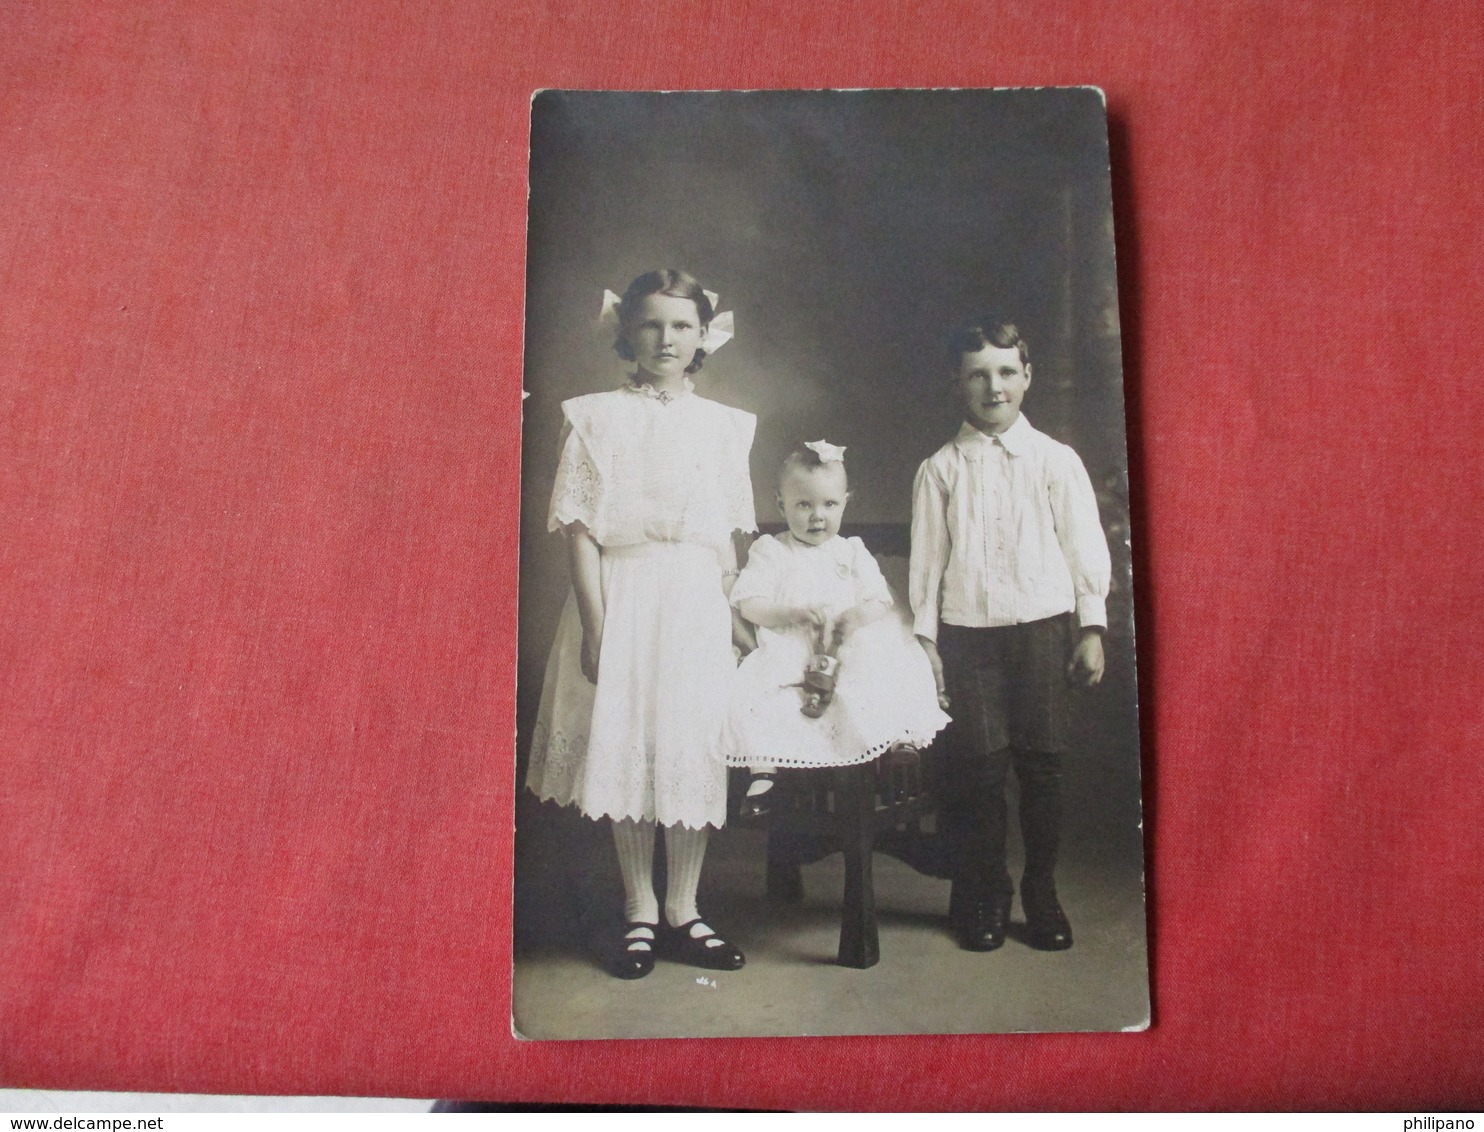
{"points": [[806, 587], [651, 483]]}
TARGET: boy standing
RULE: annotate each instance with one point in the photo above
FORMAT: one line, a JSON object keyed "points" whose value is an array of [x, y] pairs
{"points": [[1008, 583]]}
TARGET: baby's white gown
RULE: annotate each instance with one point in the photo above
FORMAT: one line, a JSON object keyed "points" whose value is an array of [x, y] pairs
{"points": [[885, 694]]}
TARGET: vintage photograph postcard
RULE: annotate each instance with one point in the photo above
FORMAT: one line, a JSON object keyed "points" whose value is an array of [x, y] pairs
{"points": [[827, 712]]}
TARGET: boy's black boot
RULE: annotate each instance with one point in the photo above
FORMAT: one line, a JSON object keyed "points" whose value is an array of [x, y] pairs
{"points": [[979, 911], [1046, 925], [982, 921]]}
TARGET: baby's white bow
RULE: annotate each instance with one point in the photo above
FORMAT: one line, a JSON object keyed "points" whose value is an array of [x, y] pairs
{"points": [[828, 453]]}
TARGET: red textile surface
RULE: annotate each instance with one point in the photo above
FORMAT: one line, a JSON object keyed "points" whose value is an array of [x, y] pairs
{"points": [[260, 328]]}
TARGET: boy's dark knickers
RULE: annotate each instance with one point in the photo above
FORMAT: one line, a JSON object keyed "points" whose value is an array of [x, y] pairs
{"points": [[1011, 705]]}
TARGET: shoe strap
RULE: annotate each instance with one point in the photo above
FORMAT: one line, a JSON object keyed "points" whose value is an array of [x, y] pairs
{"points": [[708, 938]]}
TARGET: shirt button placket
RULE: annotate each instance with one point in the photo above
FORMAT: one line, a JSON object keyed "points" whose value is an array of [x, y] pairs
{"points": [[1002, 606]]}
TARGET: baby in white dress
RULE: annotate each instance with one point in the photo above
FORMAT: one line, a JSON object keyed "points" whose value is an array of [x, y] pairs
{"points": [[811, 590]]}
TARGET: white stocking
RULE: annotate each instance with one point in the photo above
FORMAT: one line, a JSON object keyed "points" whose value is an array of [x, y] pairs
{"points": [[634, 841], [685, 849]]}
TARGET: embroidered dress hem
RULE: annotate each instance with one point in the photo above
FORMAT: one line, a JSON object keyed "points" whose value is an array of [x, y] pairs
{"points": [[885, 697], [644, 742]]}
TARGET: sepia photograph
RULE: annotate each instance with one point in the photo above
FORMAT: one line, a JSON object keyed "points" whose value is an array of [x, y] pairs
{"points": [[827, 715]]}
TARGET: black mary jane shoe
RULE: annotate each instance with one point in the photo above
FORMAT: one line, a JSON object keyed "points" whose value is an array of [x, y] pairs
{"points": [[709, 950], [759, 805], [634, 956]]}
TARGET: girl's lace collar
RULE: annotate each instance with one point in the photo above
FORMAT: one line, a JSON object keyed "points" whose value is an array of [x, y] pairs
{"points": [[663, 397]]}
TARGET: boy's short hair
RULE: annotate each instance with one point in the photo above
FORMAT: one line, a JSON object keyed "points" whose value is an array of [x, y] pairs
{"points": [[989, 329]]}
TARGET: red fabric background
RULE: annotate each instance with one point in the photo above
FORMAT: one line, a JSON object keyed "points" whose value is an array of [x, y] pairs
{"points": [[261, 273]]}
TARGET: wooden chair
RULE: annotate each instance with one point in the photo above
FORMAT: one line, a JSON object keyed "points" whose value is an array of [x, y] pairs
{"points": [[857, 811]]}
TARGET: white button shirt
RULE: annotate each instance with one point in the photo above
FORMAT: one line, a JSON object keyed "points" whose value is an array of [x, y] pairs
{"points": [[1005, 530]]}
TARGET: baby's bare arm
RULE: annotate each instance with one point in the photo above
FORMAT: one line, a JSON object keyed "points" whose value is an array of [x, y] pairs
{"points": [[859, 616], [771, 615]]}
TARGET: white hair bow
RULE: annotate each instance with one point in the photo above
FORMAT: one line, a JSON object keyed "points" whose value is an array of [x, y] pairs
{"points": [[718, 334], [828, 453]]}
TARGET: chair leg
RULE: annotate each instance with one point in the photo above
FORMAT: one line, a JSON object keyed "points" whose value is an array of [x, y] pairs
{"points": [[860, 945]]}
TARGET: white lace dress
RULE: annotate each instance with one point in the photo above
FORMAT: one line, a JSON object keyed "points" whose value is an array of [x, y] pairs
{"points": [[885, 694], [661, 483]]}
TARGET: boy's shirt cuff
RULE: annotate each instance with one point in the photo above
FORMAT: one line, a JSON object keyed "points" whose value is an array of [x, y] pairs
{"points": [[1092, 612], [925, 624]]}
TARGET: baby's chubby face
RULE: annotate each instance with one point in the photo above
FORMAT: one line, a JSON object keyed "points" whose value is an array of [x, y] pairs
{"points": [[812, 501], [992, 383]]}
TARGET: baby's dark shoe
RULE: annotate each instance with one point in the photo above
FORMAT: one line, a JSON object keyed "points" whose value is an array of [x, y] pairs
{"points": [[696, 945], [633, 957], [1046, 925], [759, 800]]}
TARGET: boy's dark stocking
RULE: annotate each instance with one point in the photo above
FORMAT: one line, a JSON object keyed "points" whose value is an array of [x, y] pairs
{"points": [[1039, 773], [975, 819]]}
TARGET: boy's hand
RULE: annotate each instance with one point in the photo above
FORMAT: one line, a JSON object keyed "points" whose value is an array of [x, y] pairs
{"points": [[936, 661], [1086, 666]]}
